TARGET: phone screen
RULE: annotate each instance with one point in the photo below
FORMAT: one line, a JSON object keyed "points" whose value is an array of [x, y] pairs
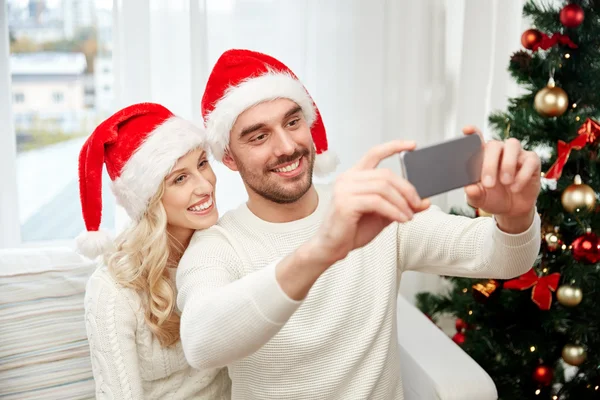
{"points": [[443, 167]]}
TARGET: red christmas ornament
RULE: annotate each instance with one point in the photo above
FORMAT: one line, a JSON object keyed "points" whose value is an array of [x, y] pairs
{"points": [[571, 15], [459, 338], [530, 38], [461, 325], [586, 248], [543, 375]]}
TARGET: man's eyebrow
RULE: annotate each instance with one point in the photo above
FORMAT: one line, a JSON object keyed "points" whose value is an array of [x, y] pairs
{"points": [[292, 112], [252, 128]]}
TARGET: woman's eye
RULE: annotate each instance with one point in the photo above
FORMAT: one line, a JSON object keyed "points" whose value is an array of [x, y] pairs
{"points": [[179, 179], [202, 163]]}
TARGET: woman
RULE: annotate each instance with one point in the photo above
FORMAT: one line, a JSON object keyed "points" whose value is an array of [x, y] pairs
{"points": [[161, 176]]}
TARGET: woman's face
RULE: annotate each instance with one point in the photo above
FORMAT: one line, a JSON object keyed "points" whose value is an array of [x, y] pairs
{"points": [[189, 196]]}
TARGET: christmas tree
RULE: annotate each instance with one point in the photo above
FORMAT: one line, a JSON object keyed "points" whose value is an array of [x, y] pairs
{"points": [[538, 336]]}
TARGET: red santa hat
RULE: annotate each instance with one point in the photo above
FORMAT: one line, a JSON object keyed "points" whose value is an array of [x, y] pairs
{"points": [[241, 79], [139, 145]]}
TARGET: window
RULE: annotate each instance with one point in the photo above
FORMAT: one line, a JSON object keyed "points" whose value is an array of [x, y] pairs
{"points": [[54, 109], [58, 97]]}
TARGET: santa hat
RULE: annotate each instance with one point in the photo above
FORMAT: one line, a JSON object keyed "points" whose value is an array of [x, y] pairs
{"points": [[241, 79], [139, 144]]}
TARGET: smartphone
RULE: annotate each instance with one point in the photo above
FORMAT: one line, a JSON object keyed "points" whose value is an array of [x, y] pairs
{"points": [[445, 166]]}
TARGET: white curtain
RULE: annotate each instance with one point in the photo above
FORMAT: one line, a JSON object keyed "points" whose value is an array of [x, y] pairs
{"points": [[377, 69]]}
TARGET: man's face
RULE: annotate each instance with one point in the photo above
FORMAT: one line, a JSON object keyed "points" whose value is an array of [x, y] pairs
{"points": [[271, 146]]}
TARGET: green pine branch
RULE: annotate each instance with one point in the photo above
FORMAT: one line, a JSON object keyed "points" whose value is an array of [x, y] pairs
{"points": [[509, 336]]}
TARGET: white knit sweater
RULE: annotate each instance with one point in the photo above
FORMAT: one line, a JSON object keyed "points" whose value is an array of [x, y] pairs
{"points": [[340, 342], [128, 362]]}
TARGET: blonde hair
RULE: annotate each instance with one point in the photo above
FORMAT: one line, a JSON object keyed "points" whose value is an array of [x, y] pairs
{"points": [[143, 253]]}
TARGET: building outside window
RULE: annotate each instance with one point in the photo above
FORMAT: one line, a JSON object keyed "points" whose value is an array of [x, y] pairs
{"points": [[60, 66]]}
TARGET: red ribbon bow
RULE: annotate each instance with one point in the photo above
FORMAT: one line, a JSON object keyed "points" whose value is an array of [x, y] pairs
{"points": [[543, 286], [546, 42], [587, 133], [591, 129]]}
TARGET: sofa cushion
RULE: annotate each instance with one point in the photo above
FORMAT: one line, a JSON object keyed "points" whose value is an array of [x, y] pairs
{"points": [[44, 352]]}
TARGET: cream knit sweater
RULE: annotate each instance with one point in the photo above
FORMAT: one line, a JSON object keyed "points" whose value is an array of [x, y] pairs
{"points": [[128, 362], [340, 342]]}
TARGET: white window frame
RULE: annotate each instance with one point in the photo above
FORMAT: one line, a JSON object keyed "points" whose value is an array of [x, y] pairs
{"points": [[10, 226]]}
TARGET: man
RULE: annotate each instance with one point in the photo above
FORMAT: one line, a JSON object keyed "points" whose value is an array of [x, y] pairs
{"points": [[295, 291]]}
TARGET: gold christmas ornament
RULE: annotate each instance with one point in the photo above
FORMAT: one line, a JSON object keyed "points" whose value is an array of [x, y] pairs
{"points": [[482, 291], [574, 354], [569, 296], [578, 196], [551, 101]]}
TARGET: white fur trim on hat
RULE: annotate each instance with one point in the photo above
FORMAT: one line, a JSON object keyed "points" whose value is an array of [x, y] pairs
{"points": [[143, 173], [325, 163], [250, 92]]}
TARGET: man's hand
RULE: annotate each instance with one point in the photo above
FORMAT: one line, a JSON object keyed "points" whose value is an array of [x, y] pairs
{"points": [[510, 183], [365, 201]]}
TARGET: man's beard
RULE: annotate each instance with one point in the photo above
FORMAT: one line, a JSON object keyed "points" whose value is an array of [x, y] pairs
{"points": [[265, 186]]}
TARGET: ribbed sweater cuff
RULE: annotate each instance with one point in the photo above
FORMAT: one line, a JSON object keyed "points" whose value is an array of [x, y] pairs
{"points": [[519, 239]]}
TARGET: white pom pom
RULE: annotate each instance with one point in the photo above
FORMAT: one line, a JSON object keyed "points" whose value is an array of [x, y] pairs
{"points": [[548, 184], [94, 243], [325, 163], [543, 151]]}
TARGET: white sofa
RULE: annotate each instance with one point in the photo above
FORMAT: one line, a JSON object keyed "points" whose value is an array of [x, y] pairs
{"points": [[44, 352]]}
